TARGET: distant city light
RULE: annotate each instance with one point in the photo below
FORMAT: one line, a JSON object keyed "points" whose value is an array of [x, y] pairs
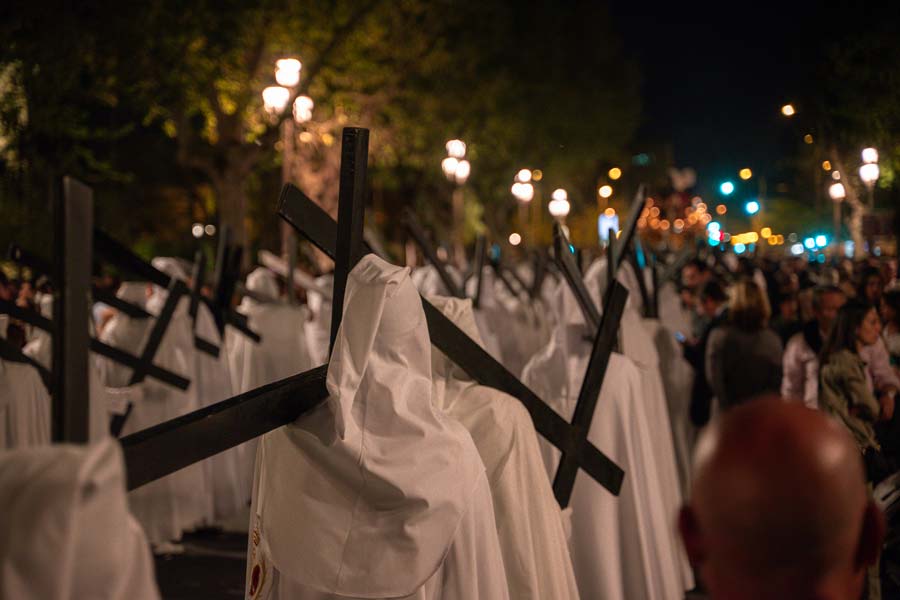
{"points": [[797, 249], [610, 212], [523, 176], [275, 99], [210, 229], [197, 230], [810, 243], [826, 165], [714, 226], [836, 175], [752, 207], [287, 71], [605, 191], [721, 209], [745, 173], [765, 232], [788, 110], [559, 194], [515, 239], [739, 248], [726, 188], [537, 174], [615, 173], [808, 139], [821, 241], [523, 191], [869, 173]]}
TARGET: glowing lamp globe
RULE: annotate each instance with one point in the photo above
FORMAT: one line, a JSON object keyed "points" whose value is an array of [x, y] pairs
{"points": [[869, 173], [870, 155], [275, 99], [456, 148]]}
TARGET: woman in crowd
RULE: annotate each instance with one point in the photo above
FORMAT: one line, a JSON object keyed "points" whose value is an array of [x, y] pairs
{"points": [[870, 286], [845, 388], [743, 357]]}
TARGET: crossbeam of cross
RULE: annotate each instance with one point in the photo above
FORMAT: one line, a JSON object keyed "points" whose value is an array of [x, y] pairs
{"points": [[414, 228]]}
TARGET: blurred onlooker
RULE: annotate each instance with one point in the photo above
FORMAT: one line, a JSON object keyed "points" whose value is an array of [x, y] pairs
{"points": [[890, 312], [801, 355], [786, 321], [6, 290], [743, 356], [712, 307], [870, 286], [846, 388]]}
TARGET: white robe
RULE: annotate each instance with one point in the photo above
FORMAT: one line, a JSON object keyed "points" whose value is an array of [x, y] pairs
{"points": [[408, 513], [622, 547], [529, 520], [24, 406], [66, 533], [318, 329], [213, 384], [282, 352]]}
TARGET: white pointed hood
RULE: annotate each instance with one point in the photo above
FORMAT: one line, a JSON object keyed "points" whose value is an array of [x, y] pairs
{"points": [[66, 532], [362, 497], [262, 281]]}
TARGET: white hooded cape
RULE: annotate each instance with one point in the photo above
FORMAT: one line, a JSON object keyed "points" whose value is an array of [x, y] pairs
{"points": [[622, 547], [374, 494], [66, 533], [529, 521]]}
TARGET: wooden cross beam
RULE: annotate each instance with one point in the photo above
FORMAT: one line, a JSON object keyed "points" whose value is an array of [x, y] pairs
{"points": [[73, 218], [411, 223], [642, 285], [315, 225], [540, 272], [176, 290], [170, 446], [566, 263], [654, 282], [351, 214], [115, 354]]}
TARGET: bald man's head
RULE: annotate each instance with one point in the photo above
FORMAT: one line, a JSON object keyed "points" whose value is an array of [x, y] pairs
{"points": [[779, 506]]}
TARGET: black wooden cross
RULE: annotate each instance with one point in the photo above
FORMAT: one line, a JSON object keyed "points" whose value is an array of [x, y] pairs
{"points": [[314, 224], [606, 335], [198, 276], [115, 354], [10, 353], [411, 223]]}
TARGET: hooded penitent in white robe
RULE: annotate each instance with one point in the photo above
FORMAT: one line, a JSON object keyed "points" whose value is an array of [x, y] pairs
{"points": [[66, 533], [281, 352], [622, 547], [154, 505], [638, 345], [375, 493], [177, 353], [529, 521], [24, 403]]}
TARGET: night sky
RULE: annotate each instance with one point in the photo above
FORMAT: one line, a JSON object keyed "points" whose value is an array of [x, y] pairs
{"points": [[714, 79]]}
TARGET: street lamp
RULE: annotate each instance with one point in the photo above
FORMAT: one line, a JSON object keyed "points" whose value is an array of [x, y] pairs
{"points": [[788, 110], [745, 173], [303, 107], [559, 204], [287, 72], [523, 191], [457, 169], [605, 191], [726, 188], [275, 99], [870, 155], [837, 191]]}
